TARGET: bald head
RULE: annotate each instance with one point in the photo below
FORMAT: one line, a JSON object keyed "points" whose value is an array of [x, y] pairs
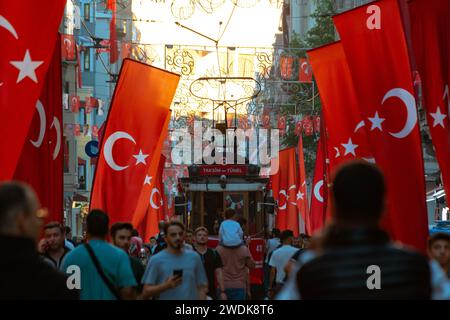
{"points": [[18, 207]]}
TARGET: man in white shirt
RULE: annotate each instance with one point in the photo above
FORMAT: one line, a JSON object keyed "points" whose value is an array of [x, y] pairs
{"points": [[280, 257], [230, 231]]}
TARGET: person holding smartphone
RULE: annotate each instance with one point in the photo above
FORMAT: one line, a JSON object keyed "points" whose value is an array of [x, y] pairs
{"points": [[175, 273]]}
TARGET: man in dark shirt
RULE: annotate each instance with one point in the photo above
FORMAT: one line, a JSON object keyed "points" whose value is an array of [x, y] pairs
{"points": [[212, 263], [121, 233], [25, 275], [52, 247], [354, 241]]}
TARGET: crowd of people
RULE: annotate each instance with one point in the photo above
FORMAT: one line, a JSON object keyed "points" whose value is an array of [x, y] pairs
{"points": [[114, 263]]}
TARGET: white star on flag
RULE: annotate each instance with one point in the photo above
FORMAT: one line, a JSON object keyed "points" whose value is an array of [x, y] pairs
{"points": [[438, 118], [376, 122], [147, 180], [27, 67], [349, 147], [299, 195], [140, 158]]}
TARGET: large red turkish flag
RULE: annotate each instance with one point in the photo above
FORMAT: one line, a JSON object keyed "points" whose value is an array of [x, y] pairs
{"points": [[27, 36], [284, 185], [129, 148], [41, 161], [430, 30], [346, 135], [377, 55]]}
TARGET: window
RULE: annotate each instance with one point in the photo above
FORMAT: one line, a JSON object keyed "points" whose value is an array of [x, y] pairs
{"points": [[87, 11], [87, 59]]}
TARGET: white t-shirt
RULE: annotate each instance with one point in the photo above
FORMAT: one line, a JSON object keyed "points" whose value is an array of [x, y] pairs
{"points": [[230, 233], [280, 257]]}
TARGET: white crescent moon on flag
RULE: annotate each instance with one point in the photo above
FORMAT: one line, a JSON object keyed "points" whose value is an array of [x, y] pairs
{"points": [[154, 190], [67, 40], [359, 125], [303, 67], [8, 26], [42, 122], [57, 126], [283, 192], [109, 144], [317, 188], [410, 104], [338, 154]]}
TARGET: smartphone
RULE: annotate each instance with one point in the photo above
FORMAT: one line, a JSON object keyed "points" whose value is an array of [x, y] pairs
{"points": [[178, 272]]}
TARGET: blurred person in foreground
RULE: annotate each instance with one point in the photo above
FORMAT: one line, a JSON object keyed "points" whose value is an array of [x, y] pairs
{"points": [[25, 274], [337, 267]]}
